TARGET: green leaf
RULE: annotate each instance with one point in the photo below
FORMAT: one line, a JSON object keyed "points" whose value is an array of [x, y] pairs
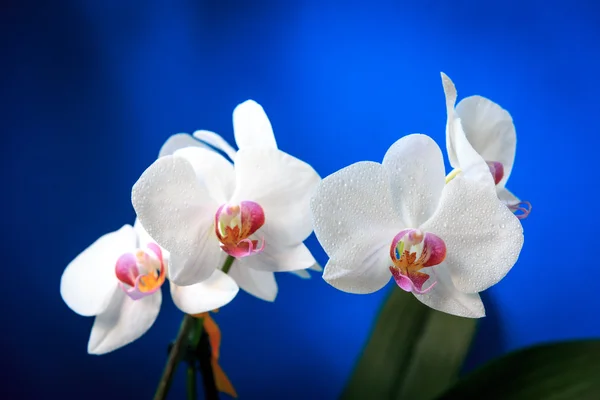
{"points": [[558, 371], [414, 352]]}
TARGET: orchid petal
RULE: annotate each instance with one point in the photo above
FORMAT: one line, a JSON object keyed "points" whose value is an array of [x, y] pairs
{"points": [[416, 168], [216, 141], [124, 321], [261, 284], [212, 170], [316, 267], [252, 127], [483, 238], [186, 271], [208, 295], [355, 221], [352, 206], [89, 281], [301, 273], [282, 185], [178, 212], [507, 197], [446, 298], [179, 141], [363, 269], [490, 130], [284, 259], [460, 152], [144, 239]]}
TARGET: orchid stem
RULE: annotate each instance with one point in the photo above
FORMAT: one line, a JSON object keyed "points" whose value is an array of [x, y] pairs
{"points": [[175, 355], [192, 390], [227, 264]]}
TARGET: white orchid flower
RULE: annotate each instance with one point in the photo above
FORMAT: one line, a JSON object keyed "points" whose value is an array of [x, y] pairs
{"points": [[445, 243], [118, 280], [490, 130], [202, 208], [252, 115]]}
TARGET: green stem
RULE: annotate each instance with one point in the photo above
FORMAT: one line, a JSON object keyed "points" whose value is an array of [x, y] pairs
{"points": [[196, 333], [174, 357], [227, 264], [192, 390], [194, 338]]}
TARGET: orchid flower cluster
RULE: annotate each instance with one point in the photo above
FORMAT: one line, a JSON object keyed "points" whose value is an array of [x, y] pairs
{"points": [[211, 220], [443, 238]]}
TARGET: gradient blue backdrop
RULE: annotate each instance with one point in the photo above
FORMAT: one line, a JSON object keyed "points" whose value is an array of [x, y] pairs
{"points": [[91, 89]]}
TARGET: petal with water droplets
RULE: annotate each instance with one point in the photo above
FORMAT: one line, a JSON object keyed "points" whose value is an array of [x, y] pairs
{"points": [[483, 238], [416, 168]]}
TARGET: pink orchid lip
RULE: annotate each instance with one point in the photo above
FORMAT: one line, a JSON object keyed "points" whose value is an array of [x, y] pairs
{"points": [[414, 284], [412, 250], [234, 224], [521, 209], [497, 170], [141, 273]]}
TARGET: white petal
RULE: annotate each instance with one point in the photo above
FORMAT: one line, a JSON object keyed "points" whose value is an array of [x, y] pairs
{"points": [[179, 141], [507, 197], [416, 168], [490, 130], [124, 321], [212, 171], [450, 95], [353, 206], [89, 281], [355, 223], [316, 267], [143, 238], [444, 297], [282, 185], [178, 212], [283, 259], [362, 269], [186, 271], [259, 284], [483, 238], [460, 152], [252, 127], [301, 273], [216, 141], [215, 292]]}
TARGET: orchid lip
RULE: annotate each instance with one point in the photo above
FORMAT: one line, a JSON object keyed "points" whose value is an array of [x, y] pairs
{"points": [[411, 251], [234, 224], [141, 273], [408, 284]]}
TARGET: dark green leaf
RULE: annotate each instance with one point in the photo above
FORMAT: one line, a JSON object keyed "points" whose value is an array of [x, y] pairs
{"points": [[559, 371], [414, 352]]}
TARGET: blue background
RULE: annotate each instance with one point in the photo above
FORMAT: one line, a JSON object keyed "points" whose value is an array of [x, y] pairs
{"points": [[91, 89]]}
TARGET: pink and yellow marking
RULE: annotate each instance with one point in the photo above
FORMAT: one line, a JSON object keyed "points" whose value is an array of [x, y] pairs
{"points": [[411, 251], [234, 224], [142, 272]]}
